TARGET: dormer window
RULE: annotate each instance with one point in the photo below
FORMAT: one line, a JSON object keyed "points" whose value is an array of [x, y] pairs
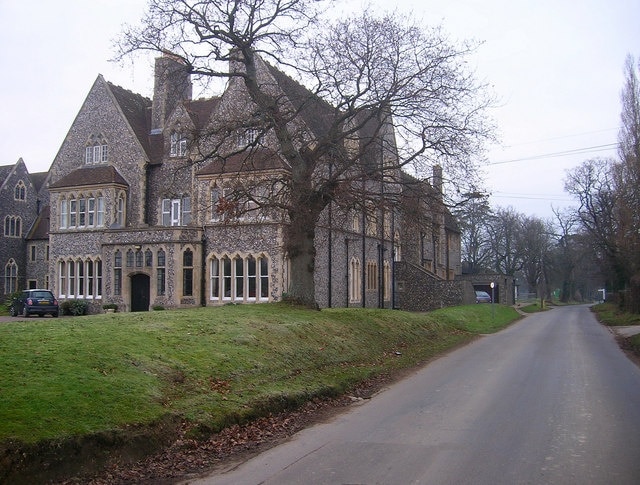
{"points": [[96, 150], [178, 145]]}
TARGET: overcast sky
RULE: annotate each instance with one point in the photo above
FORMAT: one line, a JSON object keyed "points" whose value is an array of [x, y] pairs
{"points": [[555, 65]]}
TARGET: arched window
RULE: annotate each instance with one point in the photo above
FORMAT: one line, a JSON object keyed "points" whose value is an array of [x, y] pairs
{"points": [[13, 226], [386, 273], [10, 277], [117, 273], [397, 253], [130, 257], [20, 192], [96, 150], [161, 275], [239, 279], [355, 280], [120, 210]]}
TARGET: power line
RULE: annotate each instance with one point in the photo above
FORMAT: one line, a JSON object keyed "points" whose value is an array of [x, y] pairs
{"points": [[575, 151], [553, 198], [563, 137]]}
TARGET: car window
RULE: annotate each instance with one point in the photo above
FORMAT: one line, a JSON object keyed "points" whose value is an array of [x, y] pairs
{"points": [[41, 294]]}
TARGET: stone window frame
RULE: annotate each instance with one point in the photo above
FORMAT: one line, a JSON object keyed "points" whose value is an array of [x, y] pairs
{"points": [[372, 275], [120, 209], [20, 191], [175, 211], [355, 280], [96, 150], [81, 210], [11, 273], [13, 226], [229, 272], [161, 272], [188, 269], [177, 144], [386, 280], [80, 277]]}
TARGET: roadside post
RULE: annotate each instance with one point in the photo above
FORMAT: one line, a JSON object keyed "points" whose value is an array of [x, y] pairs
{"points": [[493, 308]]}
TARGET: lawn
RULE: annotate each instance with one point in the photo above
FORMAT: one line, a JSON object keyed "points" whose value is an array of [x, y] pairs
{"points": [[210, 367]]}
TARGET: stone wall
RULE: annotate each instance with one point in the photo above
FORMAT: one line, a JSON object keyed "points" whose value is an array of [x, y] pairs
{"points": [[418, 290]]}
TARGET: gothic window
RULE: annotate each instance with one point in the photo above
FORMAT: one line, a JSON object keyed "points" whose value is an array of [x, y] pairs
{"points": [[20, 192], [96, 150], [239, 279], [372, 275], [117, 273], [82, 211], [120, 210], [10, 277], [161, 274], [12, 226], [355, 280]]}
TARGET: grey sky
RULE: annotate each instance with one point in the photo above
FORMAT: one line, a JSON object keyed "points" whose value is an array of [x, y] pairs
{"points": [[556, 66]]}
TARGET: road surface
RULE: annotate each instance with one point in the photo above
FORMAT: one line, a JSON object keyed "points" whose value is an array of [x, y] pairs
{"points": [[549, 400]]}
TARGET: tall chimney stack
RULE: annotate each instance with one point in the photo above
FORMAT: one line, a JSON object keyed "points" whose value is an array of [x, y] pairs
{"points": [[172, 84]]}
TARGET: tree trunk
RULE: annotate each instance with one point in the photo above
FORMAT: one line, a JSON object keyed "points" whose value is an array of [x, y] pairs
{"points": [[299, 241]]}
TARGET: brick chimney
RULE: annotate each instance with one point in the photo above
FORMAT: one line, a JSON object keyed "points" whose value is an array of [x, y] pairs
{"points": [[172, 85]]}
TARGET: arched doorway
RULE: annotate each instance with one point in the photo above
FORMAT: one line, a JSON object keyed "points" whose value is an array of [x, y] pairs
{"points": [[140, 284]]}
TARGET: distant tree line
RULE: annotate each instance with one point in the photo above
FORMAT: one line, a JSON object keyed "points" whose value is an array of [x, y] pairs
{"points": [[593, 245]]}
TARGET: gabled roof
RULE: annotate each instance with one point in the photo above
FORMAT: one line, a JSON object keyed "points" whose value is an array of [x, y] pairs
{"points": [[37, 179], [5, 170], [200, 110], [317, 114], [254, 161], [137, 110], [87, 176], [40, 227]]}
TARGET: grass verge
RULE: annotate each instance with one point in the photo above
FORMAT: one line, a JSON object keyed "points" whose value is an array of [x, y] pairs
{"points": [[68, 378]]}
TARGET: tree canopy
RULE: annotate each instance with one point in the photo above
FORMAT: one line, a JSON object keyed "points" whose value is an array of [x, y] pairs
{"points": [[388, 88]]}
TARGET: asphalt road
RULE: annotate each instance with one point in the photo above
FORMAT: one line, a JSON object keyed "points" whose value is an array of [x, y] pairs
{"points": [[550, 400]]}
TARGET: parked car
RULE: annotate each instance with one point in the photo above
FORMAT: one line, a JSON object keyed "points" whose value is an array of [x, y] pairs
{"points": [[34, 302], [483, 297]]}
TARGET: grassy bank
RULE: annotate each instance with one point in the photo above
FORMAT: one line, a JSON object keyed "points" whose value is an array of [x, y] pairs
{"points": [[69, 377], [609, 314]]}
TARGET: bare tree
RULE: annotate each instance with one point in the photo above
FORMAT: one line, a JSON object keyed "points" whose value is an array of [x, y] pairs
{"points": [[505, 241], [592, 184], [390, 95], [475, 218], [535, 248]]}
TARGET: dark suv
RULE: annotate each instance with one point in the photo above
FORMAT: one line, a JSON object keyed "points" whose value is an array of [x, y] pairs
{"points": [[38, 302]]}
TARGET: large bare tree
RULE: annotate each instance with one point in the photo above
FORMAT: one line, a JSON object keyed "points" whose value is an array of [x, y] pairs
{"points": [[364, 74]]}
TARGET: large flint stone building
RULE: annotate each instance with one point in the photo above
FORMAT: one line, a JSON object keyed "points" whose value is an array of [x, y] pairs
{"points": [[125, 216]]}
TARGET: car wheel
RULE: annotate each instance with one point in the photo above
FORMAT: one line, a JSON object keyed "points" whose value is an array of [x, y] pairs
{"points": [[41, 315], [54, 314]]}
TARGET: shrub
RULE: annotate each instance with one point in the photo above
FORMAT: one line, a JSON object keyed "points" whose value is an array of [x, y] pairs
{"points": [[74, 307], [110, 306], [158, 307]]}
